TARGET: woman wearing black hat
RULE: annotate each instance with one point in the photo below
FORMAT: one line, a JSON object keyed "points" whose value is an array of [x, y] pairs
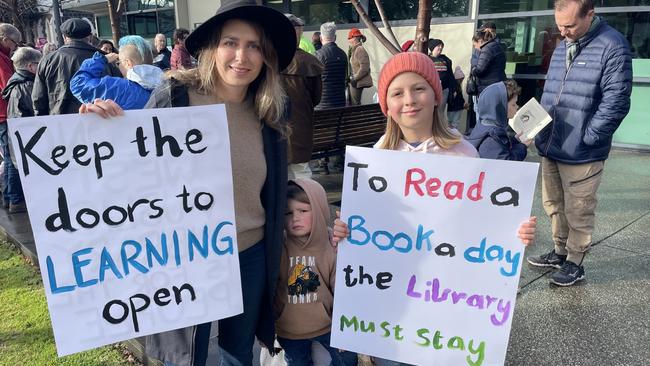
{"points": [[241, 51]]}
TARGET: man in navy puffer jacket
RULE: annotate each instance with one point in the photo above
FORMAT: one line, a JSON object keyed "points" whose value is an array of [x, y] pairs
{"points": [[587, 92]]}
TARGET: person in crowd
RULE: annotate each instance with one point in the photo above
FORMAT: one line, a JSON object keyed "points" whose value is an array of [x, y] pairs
{"points": [[587, 105], [12, 194], [48, 48], [163, 55], [444, 68], [299, 323], [241, 51], [497, 104], [299, 26], [334, 77], [473, 99], [130, 92], [490, 65], [107, 46], [456, 101], [408, 46], [409, 82], [180, 58], [51, 93], [315, 40], [336, 64], [303, 84], [359, 78], [18, 92]]}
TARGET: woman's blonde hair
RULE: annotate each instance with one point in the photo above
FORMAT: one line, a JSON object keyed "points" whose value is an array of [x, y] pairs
{"points": [[443, 135], [270, 97]]}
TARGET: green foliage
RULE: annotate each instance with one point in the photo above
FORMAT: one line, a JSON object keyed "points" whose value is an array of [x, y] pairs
{"points": [[26, 336]]}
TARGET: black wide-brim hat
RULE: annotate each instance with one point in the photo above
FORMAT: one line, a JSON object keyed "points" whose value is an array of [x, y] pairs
{"points": [[275, 24]]}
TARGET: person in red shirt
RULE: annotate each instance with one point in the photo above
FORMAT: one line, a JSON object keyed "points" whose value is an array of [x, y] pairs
{"points": [[180, 58], [12, 193]]}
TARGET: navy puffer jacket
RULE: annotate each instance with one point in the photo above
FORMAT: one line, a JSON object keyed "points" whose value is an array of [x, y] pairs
{"points": [[588, 100], [491, 65]]}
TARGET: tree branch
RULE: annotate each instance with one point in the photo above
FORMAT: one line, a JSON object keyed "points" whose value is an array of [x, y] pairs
{"points": [[373, 28], [423, 26], [384, 20]]}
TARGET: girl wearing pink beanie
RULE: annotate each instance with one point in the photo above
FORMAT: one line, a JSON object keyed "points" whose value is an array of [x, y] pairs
{"points": [[409, 93]]}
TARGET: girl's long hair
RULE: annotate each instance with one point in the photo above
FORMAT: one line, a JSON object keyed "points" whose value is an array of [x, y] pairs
{"points": [[443, 135], [270, 97]]}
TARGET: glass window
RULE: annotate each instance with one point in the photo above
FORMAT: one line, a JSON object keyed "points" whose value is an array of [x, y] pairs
{"points": [[137, 5], [400, 10], [104, 27], [166, 23], [508, 6], [635, 27], [317, 12], [530, 41], [143, 24]]}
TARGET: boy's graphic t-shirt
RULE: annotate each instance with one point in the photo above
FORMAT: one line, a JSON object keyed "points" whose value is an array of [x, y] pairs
{"points": [[304, 297], [303, 281]]}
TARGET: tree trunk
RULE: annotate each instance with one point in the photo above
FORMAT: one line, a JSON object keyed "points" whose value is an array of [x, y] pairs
{"points": [[115, 10], [423, 26], [373, 29], [56, 12]]}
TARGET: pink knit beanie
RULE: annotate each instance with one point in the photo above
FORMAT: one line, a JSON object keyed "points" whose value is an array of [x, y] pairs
{"points": [[416, 62]]}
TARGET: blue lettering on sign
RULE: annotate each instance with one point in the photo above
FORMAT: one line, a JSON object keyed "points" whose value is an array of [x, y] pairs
{"points": [[132, 255], [479, 254]]}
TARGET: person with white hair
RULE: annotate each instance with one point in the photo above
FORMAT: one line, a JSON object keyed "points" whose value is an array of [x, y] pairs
{"points": [[162, 54], [9, 39], [336, 65]]}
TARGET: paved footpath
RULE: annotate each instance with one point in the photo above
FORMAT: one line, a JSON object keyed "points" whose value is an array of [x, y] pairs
{"points": [[605, 320]]}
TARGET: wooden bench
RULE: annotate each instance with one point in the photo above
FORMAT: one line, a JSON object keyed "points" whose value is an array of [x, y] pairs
{"points": [[335, 128]]}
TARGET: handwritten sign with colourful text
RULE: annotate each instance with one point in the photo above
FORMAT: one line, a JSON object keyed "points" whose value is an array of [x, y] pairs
{"points": [[133, 219], [429, 273]]}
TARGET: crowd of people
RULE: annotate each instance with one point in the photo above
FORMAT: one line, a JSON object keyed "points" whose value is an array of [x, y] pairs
{"points": [[256, 61]]}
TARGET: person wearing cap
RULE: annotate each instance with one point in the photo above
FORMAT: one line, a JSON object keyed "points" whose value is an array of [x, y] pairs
{"points": [[444, 68], [408, 45], [410, 93], [12, 194], [299, 26], [359, 78], [303, 84], [180, 58], [240, 66], [51, 93]]}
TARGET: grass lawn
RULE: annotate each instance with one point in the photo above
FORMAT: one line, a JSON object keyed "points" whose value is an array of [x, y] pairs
{"points": [[26, 336]]}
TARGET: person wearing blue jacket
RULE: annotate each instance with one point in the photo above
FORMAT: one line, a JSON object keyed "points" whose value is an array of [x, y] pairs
{"points": [[131, 92], [587, 93], [496, 104]]}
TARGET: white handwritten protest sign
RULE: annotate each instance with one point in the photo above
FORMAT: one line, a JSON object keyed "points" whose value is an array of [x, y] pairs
{"points": [[133, 219], [429, 273]]}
